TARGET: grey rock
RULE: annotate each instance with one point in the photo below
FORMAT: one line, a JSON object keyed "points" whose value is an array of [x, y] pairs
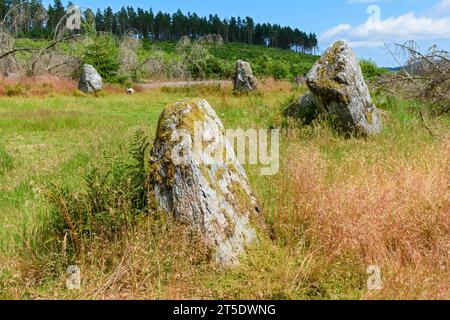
{"points": [[11, 75], [339, 89], [244, 80], [303, 108], [90, 80], [212, 198]]}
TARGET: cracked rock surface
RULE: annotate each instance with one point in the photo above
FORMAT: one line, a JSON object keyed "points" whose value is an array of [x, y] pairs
{"points": [[244, 80], [197, 186], [339, 90], [90, 80]]}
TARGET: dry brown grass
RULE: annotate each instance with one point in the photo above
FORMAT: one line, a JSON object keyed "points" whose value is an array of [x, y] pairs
{"points": [[393, 213], [159, 260], [44, 85], [36, 86], [271, 84]]}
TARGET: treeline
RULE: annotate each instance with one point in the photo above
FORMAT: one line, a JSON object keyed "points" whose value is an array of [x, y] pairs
{"points": [[170, 27]]}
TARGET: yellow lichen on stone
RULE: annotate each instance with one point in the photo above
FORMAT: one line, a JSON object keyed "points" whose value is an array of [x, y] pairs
{"points": [[214, 199], [241, 198], [369, 116]]}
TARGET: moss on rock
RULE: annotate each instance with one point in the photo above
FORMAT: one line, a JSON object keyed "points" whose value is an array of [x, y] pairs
{"points": [[215, 199], [338, 87]]}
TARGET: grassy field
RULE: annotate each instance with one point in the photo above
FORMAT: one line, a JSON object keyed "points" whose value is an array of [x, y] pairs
{"points": [[336, 207]]}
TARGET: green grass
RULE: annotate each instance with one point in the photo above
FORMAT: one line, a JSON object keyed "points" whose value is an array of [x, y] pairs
{"points": [[6, 161], [61, 137], [58, 140]]}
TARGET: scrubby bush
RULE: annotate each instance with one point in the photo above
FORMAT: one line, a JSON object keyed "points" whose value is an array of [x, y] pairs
{"points": [[298, 69], [263, 65], [103, 54], [200, 63], [212, 61], [16, 90], [108, 203], [162, 65], [194, 56], [128, 56], [119, 61], [215, 68], [370, 69], [280, 70]]}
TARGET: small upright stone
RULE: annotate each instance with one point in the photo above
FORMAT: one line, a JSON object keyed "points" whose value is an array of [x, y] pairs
{"points": [[244, 80], [339, 90], [196, 178], [90, 80]]}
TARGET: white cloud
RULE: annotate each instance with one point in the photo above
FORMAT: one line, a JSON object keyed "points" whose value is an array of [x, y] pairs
{"points": [[444, 4], [441, 9], [335, 31], [364, 44], [375, 31]]}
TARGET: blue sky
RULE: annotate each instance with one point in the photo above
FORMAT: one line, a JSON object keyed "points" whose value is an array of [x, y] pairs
{"points": [[366, 24]]}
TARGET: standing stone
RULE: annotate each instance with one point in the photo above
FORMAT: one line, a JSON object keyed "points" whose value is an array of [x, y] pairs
{"points": [[90, 80], [339, 89], [303, 108], [244, 80], [212, 196]]}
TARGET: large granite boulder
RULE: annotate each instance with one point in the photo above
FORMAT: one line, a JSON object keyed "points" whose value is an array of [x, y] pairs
{"points": [[338, 88], [90, 80], [303, 108], [196, 178], [244, 80]]}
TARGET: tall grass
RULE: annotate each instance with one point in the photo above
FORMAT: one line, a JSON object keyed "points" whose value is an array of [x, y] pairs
{"points": [[393, 213], [336, 207], [6, 161]]}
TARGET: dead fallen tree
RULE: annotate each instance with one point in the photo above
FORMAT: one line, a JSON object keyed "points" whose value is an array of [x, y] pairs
{"points": [[50, 59], [8, 62], [423, 77], [128, 58], [10, 25]]}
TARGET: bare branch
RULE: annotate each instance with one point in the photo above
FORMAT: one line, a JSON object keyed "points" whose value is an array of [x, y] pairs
{"points": [[424, 76], [3, 55], [54, 43], [398, 62], [415, 52], [38, 49]]}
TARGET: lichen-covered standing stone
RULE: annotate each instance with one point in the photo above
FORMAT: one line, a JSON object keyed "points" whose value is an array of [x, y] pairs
{"points": [[90, 80], [339, 90], [244, 80], [213, 197]]}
